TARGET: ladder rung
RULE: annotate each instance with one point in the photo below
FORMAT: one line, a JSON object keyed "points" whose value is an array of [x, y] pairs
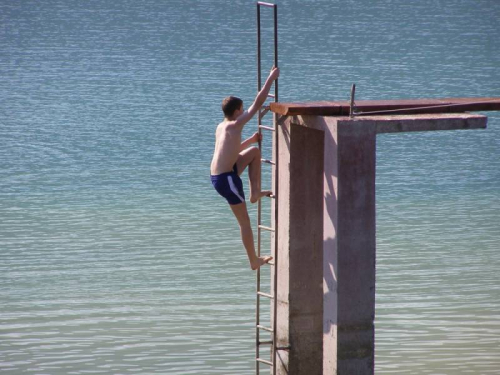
{"points": [[271, 95], [264, 361], [266, 228], [283, 347], [266, 127], [265, 295], [270, 342], [267, 161], [266, 4], [264, 328]]}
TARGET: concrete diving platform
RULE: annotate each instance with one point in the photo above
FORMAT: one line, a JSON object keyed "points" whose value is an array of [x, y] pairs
{"points": [[326, 235]]}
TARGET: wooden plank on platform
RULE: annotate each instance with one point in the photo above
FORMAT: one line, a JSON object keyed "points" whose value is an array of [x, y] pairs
{"points": [[405, 106]]}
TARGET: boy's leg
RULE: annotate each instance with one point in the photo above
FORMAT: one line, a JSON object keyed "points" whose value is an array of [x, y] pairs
{"points": [[251, 158], [241, 213]]}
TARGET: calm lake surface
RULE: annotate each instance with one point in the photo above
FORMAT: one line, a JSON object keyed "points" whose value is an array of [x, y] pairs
{"points": [[116, 255]]}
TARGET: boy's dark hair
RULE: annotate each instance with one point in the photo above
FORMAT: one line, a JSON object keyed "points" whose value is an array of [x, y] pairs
{"points": [[230, 105]]}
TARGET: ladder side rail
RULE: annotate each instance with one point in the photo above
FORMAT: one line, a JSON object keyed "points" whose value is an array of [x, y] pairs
{"points": [[275, 192], [276, 50], [259, 207]]}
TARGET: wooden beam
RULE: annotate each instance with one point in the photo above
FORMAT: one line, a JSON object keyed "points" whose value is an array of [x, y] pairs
{"points": [[388, 107], [426, 122]]}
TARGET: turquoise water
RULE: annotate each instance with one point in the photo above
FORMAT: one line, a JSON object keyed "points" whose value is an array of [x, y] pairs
{"points": [[116, 254]]}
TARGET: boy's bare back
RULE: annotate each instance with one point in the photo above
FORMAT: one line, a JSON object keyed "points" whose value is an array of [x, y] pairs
{"points": [[227, 147]]}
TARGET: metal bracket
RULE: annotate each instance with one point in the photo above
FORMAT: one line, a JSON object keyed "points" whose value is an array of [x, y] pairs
{"points": [[352, 107], [263, 112]]}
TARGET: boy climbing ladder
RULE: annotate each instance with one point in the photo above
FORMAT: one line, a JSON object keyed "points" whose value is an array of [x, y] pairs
{"points": [[231, 157]]}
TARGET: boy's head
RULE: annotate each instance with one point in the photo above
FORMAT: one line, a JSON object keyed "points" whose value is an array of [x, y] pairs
{"points": [[230, 105]]}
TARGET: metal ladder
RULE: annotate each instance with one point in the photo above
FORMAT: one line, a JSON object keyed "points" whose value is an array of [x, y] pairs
{"points": [[260, 294]]}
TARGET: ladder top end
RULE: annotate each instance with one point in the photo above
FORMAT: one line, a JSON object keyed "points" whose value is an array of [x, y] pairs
{"points": [[266, 4]]}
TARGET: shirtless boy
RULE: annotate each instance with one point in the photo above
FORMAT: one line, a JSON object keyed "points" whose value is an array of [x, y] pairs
{"points": [[231, 157]]}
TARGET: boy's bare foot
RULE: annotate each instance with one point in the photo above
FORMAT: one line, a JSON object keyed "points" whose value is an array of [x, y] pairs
{"points": [[263, 193], [260, 261]]}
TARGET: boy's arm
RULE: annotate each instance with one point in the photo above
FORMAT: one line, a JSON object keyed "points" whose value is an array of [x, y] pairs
{"points": [[260, 99], [253, 139]]}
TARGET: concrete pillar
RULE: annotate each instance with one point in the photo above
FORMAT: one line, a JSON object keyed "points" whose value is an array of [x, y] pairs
{"points": [[326, 279], [300, 247], [354, 249]]}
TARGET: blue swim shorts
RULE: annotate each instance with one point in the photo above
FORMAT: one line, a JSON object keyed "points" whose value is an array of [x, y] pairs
{"points": [[230, 186]]}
